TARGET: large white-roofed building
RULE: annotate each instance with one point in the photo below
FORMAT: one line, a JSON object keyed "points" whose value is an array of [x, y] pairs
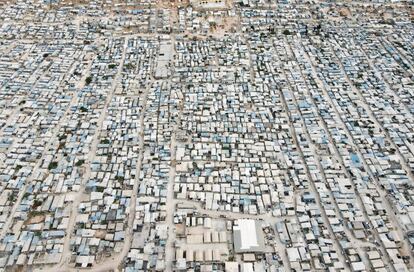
{"points": [[248, 236]]}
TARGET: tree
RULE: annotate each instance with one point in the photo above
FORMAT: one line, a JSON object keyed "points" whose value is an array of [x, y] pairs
{"points": [[52, 165], [286, 32], [119, 178], [88, 80], [80, 162], [105, 141]]}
